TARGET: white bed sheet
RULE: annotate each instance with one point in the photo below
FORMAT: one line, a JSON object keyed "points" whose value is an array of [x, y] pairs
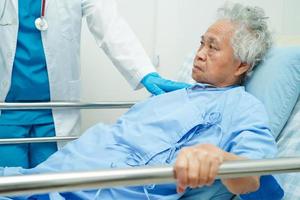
{"points": [[289, 146]]}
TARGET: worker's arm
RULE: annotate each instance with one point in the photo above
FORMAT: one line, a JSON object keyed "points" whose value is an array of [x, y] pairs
{"points": [[119, 42]]}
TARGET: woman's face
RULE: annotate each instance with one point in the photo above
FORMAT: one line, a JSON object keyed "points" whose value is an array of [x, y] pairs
{"points": [[214, 62]]}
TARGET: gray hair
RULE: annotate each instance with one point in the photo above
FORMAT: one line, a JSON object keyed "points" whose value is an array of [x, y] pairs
{"points": [[251, 39]]}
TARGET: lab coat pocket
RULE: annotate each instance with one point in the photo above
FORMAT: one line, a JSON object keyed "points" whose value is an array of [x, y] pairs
{"points": [[6, 13], [70, 19], [74, 90], [2, 5]]}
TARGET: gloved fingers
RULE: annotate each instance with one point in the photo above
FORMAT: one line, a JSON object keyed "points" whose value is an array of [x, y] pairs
{"points": [[169, 86], [157, 85], [154, 89]]}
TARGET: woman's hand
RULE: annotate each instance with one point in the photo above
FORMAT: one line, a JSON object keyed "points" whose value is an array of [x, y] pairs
{"points": [[197, 166]]}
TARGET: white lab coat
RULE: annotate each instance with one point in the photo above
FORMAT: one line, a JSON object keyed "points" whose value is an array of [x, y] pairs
{"points": [[62, 50]]}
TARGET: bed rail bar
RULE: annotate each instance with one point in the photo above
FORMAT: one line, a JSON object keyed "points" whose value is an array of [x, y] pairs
{"points": [[56, 105], [64, 105], [37, 140], [43, 183]]}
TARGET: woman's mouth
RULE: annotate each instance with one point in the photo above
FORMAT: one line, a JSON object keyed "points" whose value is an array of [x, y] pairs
{"points": [[197, 68]]}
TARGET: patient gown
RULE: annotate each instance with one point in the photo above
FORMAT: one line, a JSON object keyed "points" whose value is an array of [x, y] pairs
{"points": [[152, 133]]}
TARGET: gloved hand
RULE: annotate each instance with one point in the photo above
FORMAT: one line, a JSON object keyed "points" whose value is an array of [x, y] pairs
{"points": [[157, 85]]}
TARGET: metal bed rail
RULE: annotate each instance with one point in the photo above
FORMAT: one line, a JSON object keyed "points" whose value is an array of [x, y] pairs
{"points": [[72, 181], [37, 140], [65, 105], [56, 105]]}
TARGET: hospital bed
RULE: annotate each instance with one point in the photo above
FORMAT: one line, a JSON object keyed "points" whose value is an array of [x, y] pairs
{"points": [[109, 178], [287, 139]]}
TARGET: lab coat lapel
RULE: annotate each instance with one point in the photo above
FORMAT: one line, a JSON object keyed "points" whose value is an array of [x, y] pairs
{"points": [[47, 3], [15, 5]]}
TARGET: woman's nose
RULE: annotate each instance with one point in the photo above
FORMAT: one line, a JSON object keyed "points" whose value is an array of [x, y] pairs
{"points": [[201, 54]]}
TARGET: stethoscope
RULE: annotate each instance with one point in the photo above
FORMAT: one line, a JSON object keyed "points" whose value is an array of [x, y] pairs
{"points": [[41, 23]]}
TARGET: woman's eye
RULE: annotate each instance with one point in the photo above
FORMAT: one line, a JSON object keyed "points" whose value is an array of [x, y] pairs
{"points": [[213, 47]]}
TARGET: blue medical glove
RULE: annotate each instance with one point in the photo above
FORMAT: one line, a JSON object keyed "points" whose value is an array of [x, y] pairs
{"points": [[158, 85]]}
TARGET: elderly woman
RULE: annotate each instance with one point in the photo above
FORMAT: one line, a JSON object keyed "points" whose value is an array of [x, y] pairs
{"points": [[194, 129], [229, 50]]}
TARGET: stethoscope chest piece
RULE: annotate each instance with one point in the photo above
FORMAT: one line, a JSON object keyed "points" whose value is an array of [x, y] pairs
{"points": [[41, 24]]}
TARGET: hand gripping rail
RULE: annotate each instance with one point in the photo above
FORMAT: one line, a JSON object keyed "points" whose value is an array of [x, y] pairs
{"points": [[43, 183]]}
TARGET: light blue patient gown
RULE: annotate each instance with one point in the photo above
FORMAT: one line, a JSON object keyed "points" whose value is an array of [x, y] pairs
{"points": [[153, 132]]}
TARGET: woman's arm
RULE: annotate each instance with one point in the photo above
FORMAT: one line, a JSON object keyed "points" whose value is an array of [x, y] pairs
{"points": [[240, 185]]}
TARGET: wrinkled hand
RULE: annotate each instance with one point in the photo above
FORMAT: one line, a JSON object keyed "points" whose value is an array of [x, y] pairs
{"points": [[158, 85], [197, 166]]}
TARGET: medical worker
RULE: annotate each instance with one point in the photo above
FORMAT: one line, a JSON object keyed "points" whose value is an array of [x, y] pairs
{"points": [[40, 62]]}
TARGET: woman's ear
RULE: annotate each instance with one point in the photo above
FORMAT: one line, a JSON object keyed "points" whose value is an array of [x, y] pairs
{"points": [[242, 69]]}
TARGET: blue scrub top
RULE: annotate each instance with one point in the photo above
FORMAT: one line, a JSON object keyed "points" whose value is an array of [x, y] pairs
{"points": [[29, 77]]}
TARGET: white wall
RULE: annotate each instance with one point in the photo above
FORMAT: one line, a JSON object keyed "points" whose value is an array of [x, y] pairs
{"points": [[168, 29]]}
